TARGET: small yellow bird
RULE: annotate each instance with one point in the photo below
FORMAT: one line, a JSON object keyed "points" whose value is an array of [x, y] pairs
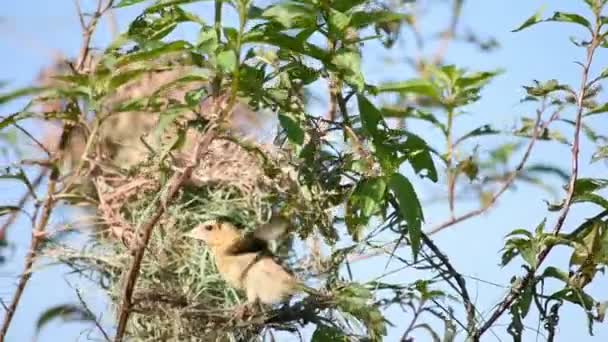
{"points": [[245, 261]]}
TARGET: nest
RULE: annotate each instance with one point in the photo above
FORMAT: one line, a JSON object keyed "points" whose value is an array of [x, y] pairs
{"points": [[179, 294]]}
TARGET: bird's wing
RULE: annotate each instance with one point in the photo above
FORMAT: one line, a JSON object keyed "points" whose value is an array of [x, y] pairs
{"points": [[272, 230], [248, 244]]}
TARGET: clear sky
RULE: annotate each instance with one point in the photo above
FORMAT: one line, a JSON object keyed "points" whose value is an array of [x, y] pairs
{"points": [[32, 31]]}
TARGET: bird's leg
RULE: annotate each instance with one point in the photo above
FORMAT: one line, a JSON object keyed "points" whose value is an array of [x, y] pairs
{"points": [[245, 309]]}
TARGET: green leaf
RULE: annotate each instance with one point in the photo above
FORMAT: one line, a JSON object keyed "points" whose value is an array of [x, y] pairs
{"points": [[167, 3], [361, 19], [286, 42], [227, 60], [533, 20], [409, 209], [586, 185], [416, 86], [419, 156], [295, 133], [338, 21], [65, 312], [8, 209], [207, 40], [600, 154], [366, 200], [554, 272], [349, 62], [598, 110], [325, 333], [575, 296], [125, 3], [570, 18], [479, 131], [371, 117], [20, 93], [291, 14], [152, 54]]}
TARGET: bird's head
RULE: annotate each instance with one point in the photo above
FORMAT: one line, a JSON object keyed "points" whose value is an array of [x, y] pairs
{"points": [[215, 234]]}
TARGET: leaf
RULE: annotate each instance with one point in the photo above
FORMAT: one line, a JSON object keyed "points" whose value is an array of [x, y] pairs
{"points": [[409, 209], [416, 86], [349, 62], [325, 333], [366, 200], [361, 19], [8, 209], [570, 18], [533, 20], [585, 185], [65, 312], [148, 55], [419, 156], [286, 42], [227, 60], [598, 110], [575, 296], [479, 131], [291, 14], [554, 272], [20, 93], [601, 153], [294, 131], [338, 21], [371, 117], [125, 3], [355, 300]]}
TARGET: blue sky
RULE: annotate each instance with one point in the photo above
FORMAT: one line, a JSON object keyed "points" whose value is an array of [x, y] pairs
{"points": [[31, 31]]}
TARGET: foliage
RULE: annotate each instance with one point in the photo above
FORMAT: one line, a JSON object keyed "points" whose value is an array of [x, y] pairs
{"points": [[150, 108]]}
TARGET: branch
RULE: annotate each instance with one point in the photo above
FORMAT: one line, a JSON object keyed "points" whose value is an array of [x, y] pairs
{"points": [[47, 208], [515, 293], [37, 238], [473, 213], [464, 293], [175, 184], [11, 219]]}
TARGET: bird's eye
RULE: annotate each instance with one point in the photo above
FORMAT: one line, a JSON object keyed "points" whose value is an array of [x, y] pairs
{"points": [[209, 227]]}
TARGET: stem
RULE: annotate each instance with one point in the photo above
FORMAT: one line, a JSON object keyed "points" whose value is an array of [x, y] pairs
{"points": [[175, 184], [542, 256], [451, 172], [217, 80]]}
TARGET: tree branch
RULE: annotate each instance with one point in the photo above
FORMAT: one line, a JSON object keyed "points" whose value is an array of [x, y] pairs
{"points": [[515, 293], [175, 184]]}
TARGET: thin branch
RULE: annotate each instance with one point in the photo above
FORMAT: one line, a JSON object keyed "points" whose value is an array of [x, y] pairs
{"points": [[37, 237], [11, 219], [92, 314], [515, 293], [175, 184], [507, 184], [464, 293], [38, 233]]}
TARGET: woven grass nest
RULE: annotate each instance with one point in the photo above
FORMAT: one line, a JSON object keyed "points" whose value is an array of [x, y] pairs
{"points": [[179, 295]]}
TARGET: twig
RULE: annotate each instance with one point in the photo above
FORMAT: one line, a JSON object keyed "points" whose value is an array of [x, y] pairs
{"points": [[47, 208], [37, 237], [516, 292], [175, 184], [464, 293], [90, 312], [473, 213], [13, 216], [507, 184], [88, 32]]}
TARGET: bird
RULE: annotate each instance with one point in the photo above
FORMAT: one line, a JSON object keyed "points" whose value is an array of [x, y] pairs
{"points": [[245, 262]]}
